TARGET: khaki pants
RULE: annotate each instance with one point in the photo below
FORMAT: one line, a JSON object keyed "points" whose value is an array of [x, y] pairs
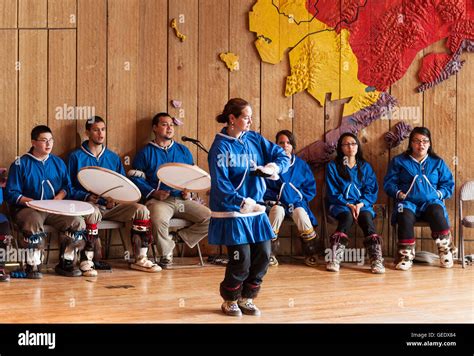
{"points": [[32, 221], [124, 212], [299, 216], [161, 213]]}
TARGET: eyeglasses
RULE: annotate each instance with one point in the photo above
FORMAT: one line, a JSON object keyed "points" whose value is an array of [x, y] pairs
{"points": [[419, 142], [352, 144], [45, 140]]}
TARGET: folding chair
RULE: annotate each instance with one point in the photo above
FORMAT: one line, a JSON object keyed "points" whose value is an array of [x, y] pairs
{"points": [[177, 224], [466, 194], [48, 229], [109, 226], [418, 223]]}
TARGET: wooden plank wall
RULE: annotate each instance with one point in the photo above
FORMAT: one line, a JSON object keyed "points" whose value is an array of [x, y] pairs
{"points": [[121, 60], [9, 97], [91, 59]]}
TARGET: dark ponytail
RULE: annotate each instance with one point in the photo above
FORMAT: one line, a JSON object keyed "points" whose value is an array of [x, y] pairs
{"points": [[234, 106]]}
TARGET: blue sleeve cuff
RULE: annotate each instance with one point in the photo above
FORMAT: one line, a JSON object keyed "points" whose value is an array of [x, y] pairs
{"points": [[440, 194]]}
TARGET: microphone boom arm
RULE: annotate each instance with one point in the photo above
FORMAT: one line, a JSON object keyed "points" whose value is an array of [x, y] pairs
{"points": [[195, 142]]}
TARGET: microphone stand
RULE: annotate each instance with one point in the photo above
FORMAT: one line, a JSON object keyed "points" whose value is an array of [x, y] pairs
{"points": [[201, 146]]}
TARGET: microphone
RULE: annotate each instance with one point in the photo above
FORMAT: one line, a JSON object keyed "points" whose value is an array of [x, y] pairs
{"points": [[193, 140]]}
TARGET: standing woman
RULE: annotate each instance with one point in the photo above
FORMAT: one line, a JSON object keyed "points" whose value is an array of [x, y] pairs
{"points": [[352, 191], [239, 161], [420, 180]]}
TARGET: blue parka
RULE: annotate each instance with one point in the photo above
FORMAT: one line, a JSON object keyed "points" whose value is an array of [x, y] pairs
{"points": [[295, 188], [232, 162], [149, 159], [341, 192], [427, 182]]}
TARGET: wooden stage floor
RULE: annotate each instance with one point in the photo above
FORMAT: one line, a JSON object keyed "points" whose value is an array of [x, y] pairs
{"points": [[291, 293]]}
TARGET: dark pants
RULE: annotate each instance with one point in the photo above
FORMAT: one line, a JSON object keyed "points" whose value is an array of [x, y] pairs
{"points": [[365, 221], [244, 273], [434, 215]]}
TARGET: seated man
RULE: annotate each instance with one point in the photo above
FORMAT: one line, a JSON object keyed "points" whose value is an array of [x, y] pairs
{"points": [[39, 175], [94, 153], [164, 202], [291, 195]]}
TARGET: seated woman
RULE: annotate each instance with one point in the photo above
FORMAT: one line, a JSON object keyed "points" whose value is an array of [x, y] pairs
{"points": [[291, 195], [419, 180], [351, 191]]}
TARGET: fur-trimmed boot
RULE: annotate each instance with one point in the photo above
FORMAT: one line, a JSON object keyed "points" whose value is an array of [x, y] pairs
{"points": [[309, 241], [231, 295], [275, 246], [338, 241], [245, 302], [87, 254], [4, 276], [34, 256], [373, 244], [34, 261], [71, 244], [141, 239], [87, 265], [446, 248], [405, 256]]}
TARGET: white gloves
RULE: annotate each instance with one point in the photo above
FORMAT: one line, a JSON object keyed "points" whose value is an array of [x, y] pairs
{"points": [[269, 171], [250, 206]]}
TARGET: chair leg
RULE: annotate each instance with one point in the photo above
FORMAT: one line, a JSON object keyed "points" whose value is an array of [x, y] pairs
{"points": [[291, 242], [394, 240], [461, 246], [48, 248], [200, 255], [123, 241], [153, 251], [15, 246], [108, 241]]}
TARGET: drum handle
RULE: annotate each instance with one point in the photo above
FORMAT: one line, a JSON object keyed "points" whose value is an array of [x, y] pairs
{"points": [[108, 190], [191, 180]]}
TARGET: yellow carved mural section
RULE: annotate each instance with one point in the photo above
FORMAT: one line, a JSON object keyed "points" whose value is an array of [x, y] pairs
{"points": [[321, 60]]}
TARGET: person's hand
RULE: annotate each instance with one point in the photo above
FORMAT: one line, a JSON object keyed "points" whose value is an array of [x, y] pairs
{"points": [[60, 196], [24, 200], [357, 210], [270, 171], [401, 196], [250, 206], [353, 208], [186, 194], [110, 203], [161, 194], [92, 198]]}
